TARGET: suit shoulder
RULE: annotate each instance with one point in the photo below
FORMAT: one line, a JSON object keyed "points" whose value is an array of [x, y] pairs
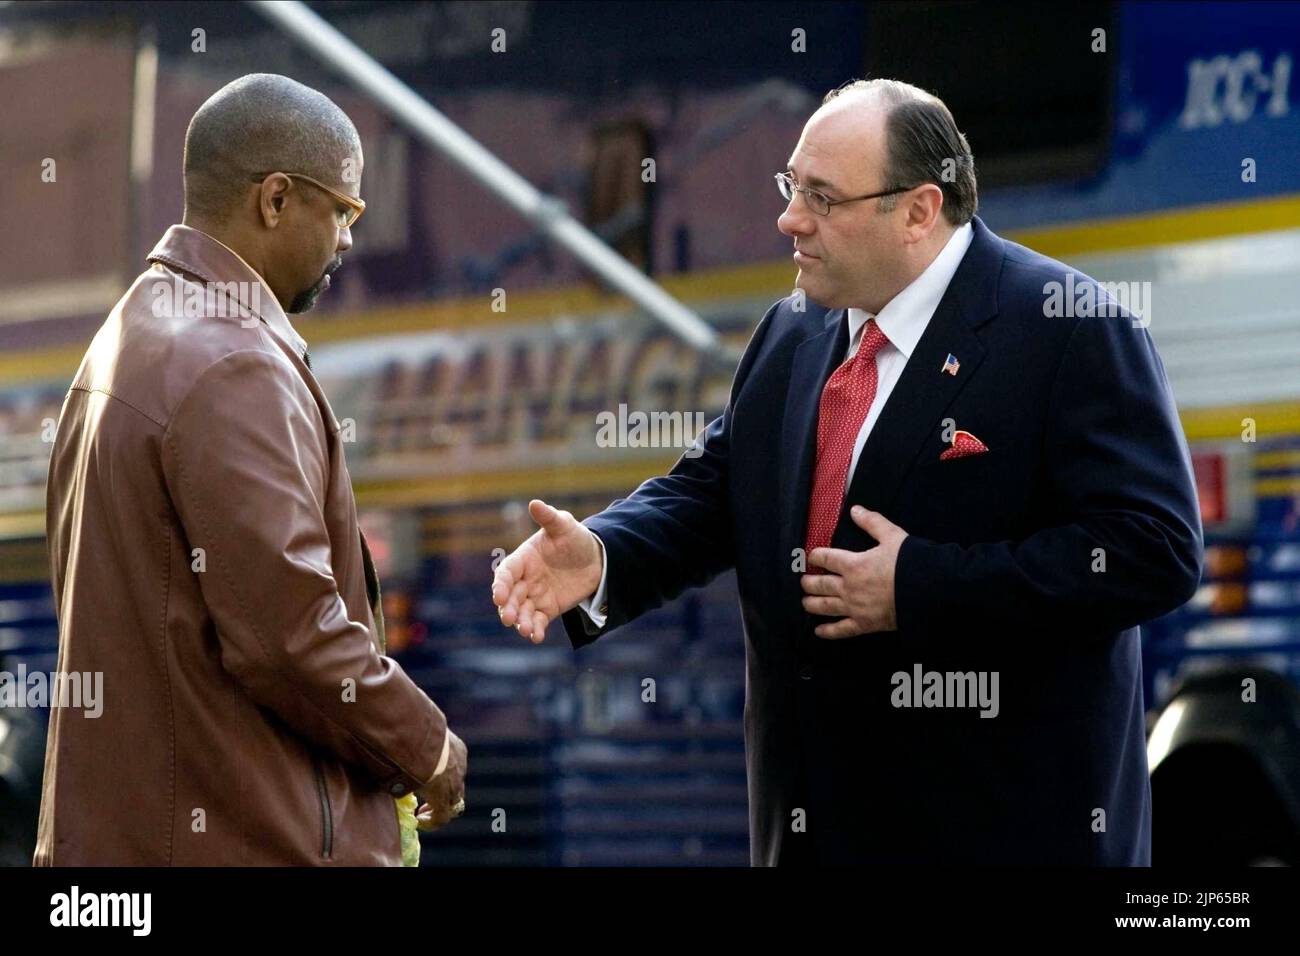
{"points": [[1051, 295]]}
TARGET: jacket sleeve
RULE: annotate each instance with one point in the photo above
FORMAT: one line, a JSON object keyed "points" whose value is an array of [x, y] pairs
{"points": [[247, 466], [673, 532], [1120, 480]]}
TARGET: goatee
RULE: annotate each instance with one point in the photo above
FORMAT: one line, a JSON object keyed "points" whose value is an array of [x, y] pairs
{"points": [[306, 300]]}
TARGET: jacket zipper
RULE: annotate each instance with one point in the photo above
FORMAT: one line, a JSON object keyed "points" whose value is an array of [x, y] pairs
{"points": [[326, 813]]}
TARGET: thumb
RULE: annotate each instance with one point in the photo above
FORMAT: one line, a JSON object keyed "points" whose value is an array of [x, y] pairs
{"points": [[872, 522], [547, 518]]}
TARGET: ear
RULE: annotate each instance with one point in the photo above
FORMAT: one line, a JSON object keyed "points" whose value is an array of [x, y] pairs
{"points": [[272, 198], [924, 208]]}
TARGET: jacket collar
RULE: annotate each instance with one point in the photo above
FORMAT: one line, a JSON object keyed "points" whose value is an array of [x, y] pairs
{"points": [[189, 250]]}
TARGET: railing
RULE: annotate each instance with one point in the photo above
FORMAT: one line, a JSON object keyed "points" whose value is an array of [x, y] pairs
{"points": [[441, 134]]}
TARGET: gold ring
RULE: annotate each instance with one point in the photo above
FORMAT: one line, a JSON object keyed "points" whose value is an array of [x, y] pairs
{"points": [[459, 808]]}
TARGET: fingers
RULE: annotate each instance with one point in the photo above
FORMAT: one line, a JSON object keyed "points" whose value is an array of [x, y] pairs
{"points": [[532, 623], [873, 522], [510, 613], [503, 580], [526, 614], [839, 630], [832, 559], [427, 819], [443, 800], [507, 592], [823, 584], [826, 606]]}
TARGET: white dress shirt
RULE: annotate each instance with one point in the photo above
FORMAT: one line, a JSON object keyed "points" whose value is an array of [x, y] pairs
{"points": [[903, 320]]}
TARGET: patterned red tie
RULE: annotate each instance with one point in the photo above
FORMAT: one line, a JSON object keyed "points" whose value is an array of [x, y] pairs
{"points": [[846, 399]]}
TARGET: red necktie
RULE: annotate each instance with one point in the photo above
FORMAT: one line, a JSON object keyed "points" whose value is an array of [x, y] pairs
{"points": [[846, 399]]}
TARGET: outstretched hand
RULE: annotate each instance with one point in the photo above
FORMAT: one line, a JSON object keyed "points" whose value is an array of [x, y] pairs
{"points": [[549, 574]]}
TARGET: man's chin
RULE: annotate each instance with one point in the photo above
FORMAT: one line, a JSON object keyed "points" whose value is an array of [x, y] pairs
{"points": [[811, 290], [306, 301]]}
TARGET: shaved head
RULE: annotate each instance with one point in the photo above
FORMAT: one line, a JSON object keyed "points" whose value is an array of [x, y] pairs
{"points": [[258, 124]]}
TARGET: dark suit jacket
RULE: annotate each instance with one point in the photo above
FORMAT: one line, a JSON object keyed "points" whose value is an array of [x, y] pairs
{"points": [[1000, 572]]}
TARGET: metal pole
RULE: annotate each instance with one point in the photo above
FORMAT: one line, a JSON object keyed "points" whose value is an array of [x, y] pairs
{"points": [[546, 212]]}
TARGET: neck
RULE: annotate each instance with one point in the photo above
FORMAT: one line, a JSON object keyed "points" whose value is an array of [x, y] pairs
{"points": [[237, 243], [224, 235], [918, 257]]}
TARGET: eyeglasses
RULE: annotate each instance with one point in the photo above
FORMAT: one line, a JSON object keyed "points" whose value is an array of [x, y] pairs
{"points": [[818, 202], [345, 217]]}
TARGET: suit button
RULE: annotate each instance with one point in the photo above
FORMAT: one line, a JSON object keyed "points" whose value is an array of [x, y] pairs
{"points": [[806, 671], [398, 790]]}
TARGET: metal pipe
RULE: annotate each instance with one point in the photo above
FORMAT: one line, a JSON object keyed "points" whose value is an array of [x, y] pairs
{"points": [[546, 212]]}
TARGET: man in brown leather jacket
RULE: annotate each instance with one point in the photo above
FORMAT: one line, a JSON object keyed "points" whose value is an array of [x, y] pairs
{"points": [[204, 543]]}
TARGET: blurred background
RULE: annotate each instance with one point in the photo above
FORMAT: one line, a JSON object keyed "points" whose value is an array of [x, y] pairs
{"points": [[1161, 150]]}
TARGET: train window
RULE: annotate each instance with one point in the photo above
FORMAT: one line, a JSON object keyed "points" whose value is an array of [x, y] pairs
{"points": [[1033, 97]]}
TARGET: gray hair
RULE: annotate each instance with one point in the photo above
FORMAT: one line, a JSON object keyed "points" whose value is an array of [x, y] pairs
{"points": [[262, 123], [922, 135]]}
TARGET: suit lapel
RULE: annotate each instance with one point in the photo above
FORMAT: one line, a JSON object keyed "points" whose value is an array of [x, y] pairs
{"points": [[916, 405], [912, 414], [814, 361]]}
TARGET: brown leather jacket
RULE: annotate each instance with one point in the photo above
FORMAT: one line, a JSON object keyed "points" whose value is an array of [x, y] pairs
{"points": [[248, 716]]}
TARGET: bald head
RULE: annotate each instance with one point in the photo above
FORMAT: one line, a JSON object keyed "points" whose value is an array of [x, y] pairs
{"points": [[258, 124], [884, 178], [921, 141]]}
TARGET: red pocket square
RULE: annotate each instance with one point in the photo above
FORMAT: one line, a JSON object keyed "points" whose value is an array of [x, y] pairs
{"points": [[964, 444]]}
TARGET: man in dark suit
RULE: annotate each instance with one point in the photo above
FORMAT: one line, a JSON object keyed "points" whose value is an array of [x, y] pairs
{"points": [[948, 508]]}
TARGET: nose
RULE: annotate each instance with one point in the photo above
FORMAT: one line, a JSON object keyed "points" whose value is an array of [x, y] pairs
{"points": [[345, 239], [797, 220]]}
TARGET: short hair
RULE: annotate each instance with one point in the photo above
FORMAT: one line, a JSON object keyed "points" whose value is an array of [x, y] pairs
{"points": [[921, 135], [262, 123]]}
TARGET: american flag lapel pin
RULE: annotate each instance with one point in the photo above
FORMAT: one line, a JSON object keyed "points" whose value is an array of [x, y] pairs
{"points": [[950, 364]]}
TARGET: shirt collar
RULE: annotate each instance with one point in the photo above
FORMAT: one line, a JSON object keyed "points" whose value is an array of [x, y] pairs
{"points": [[905, 316], [211, 260]]}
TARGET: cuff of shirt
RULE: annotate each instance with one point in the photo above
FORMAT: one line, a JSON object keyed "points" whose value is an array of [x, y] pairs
{"points": [[446, 749], [595, 608]]}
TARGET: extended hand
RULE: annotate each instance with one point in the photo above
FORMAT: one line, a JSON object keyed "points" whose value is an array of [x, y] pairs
{"points": [[547, 575], [859, 585]]}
